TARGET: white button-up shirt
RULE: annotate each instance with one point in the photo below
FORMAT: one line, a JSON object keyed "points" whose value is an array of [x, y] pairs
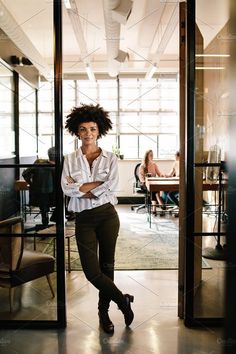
{"points": [[104, 168]]}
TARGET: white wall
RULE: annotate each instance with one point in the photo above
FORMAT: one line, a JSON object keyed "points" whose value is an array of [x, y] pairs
{"points": [[126, 174]]}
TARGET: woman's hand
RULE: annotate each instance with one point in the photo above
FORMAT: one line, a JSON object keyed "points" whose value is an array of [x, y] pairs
{"points": [[89, 195], [70, 180]]}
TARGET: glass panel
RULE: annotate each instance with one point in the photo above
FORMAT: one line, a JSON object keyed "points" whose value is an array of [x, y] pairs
{"points": [[211, 145], [27, 194], [87, 92], [130, 123], [69, 95], [142, 109], [108, 142], [27, 119], [23, 213], [150, 95], [45, 97], [167, 146], [147, 142], [7, 144], [129, 146]]}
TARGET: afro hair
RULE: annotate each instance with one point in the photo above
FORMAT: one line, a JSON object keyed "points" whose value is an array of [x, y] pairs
{"points": [[88, 113]]}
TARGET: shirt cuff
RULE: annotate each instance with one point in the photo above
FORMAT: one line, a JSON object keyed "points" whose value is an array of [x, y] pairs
{"points": [[99, 190], [74, 189]]}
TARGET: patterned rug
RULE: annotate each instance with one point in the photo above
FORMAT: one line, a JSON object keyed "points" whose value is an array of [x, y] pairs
{"points": [[138, 246]]}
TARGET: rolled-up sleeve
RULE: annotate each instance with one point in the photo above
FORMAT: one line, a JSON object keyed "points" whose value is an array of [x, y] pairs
{"points": [[69, 189], [110, 185]]}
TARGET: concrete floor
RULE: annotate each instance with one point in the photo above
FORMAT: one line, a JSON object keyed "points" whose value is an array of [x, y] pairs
{"points": [[155, 329]]}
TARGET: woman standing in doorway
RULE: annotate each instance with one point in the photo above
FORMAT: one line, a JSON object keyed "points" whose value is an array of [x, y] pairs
{"points": [[90, 178]]}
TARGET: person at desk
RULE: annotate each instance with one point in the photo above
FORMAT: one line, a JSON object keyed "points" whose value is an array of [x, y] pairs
{"points": [[41, 186], [174, 196], [90, 178], [151, 169]]}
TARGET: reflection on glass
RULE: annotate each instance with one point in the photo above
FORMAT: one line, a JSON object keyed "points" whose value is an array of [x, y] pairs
{"points": [[129, 145], [28, 280], [6, 112], [27, 263], [147, 142], [27, 119], [146, 108], [211, 144]]}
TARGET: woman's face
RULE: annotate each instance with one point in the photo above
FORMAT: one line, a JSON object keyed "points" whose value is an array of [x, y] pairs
{"points": [[88, 133], [150, 156]]}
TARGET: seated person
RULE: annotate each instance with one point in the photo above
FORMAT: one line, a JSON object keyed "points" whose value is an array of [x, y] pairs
{"points": [[41, 186], [173, 196], [150, 168]]}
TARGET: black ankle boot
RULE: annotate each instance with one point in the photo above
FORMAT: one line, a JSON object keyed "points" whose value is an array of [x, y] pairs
{"points": [[126, 309], [105, 322]]}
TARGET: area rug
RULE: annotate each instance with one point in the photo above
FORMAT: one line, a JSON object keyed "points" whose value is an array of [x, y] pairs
{"points": [[140, 247]]}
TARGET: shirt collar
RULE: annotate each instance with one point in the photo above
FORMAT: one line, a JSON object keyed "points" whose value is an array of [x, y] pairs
{"points": [[80, 153]]}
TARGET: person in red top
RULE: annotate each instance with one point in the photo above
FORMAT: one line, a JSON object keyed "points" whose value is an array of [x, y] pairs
{"points": [[151, 169]]}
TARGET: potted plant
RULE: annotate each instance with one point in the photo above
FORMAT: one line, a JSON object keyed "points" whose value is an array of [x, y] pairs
{"points": [[116, 151]]}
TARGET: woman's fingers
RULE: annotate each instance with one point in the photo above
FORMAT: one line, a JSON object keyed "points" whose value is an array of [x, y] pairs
{"points": [[69, 179]]}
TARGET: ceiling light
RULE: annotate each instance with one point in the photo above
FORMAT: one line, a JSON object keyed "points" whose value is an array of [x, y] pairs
{"points": [[90, 73], [209, 67], [213, 55], [150, 72], [67, 4]]}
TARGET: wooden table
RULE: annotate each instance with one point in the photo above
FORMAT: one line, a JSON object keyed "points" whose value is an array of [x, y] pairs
{"points": [[158, 184], [155, 184], [162, 184]]}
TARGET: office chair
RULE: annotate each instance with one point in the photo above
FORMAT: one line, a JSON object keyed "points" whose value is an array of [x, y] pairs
{"points": [[140, 189], [17, 264], [41, 190]]}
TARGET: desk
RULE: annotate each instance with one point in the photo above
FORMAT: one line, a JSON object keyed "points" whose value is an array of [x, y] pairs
{"points": [[158, 184], [69, 232], [155, 184]]}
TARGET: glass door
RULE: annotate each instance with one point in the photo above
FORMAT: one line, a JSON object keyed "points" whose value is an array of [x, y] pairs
{"points": [[208, 72], [32, 269]]}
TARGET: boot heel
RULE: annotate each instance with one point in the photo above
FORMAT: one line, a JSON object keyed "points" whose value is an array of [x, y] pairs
{"points": [[131, 298], [126, 309]]}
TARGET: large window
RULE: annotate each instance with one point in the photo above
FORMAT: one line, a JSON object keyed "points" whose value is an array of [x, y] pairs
{"points": [[45, 118], [7, 146], [27, 119], [144, 113]]}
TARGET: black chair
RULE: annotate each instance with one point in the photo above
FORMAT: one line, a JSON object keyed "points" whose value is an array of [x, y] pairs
{"points": [[41, 190], [140, 189]]}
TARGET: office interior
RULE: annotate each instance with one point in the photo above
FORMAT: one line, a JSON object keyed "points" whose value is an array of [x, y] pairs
{"points": [[165, 72]]}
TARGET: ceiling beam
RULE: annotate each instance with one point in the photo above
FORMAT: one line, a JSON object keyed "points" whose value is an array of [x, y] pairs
{"points": [[169, 30], [22, 41], [73, 14]]}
